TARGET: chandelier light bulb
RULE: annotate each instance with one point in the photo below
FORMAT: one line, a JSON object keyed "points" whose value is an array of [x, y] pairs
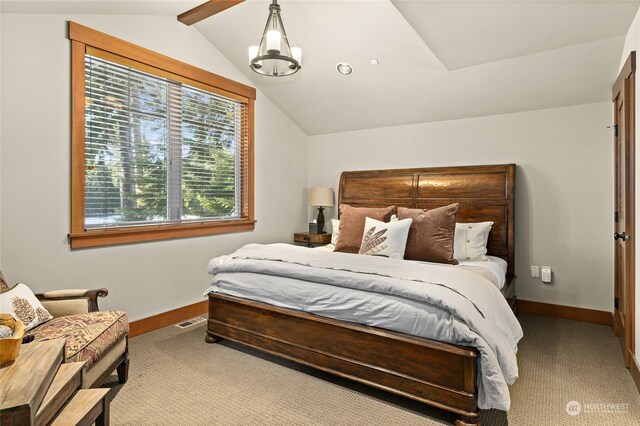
{"points": [[253, 52], [297, 54], [273, 41]]}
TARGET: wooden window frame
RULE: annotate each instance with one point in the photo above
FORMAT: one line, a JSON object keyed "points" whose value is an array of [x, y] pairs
{"points": [[85, 39]]}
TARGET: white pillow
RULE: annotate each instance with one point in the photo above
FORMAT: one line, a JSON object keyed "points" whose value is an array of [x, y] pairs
{"points": [[335, 231], [24, 306], [470, 241], [388, 239]]}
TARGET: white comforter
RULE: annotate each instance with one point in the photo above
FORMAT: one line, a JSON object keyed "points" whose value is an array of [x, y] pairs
{"points": [[440, 302]]}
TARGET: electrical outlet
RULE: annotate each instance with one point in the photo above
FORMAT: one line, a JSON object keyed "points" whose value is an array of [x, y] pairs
{"points": [[546, 274], [535, 272]]}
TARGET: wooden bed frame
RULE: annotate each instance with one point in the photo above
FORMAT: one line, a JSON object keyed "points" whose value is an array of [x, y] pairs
{"points": [[435, 373]]}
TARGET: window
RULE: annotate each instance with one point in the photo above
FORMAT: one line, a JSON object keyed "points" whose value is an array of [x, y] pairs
{"points": [[156, 153]]}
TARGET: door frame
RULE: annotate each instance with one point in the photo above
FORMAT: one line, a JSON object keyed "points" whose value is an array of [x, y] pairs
{"points": [[626, 82]]}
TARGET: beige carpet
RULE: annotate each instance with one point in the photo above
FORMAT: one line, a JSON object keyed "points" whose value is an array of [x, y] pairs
{"points": [[178, 379]]}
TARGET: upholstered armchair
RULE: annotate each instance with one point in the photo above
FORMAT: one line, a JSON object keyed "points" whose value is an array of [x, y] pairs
{"points": [[74, 310], [100, 338]]}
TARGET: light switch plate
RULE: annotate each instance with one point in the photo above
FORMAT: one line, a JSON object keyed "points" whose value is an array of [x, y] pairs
{"points": [[546, 274], [535, 271]]}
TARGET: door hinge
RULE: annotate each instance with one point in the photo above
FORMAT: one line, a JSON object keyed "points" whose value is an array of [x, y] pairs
{"points": [[615, 129], [616, 217], [616, 302]]}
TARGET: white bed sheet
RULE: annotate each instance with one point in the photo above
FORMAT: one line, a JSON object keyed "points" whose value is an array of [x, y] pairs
{"points": [[496, 265]]}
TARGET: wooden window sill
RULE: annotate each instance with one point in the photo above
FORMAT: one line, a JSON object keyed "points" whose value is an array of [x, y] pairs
{"points": [[106, 237]]}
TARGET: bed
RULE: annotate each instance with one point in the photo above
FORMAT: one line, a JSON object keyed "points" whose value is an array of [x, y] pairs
{"points": [[437, 373]]}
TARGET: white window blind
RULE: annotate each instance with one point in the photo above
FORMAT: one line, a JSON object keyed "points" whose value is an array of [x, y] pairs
{"points": [[160, 151]]}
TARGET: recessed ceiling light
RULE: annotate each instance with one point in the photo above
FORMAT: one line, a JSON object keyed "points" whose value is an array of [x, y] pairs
{"points": [[344, 68], [374, 62]]}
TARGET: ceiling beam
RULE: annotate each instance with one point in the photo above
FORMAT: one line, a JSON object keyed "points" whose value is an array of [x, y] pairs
{"points": [[205, 10]]}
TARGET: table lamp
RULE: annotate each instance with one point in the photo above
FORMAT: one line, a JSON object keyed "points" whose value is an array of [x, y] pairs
{"points": [[321, 197]]}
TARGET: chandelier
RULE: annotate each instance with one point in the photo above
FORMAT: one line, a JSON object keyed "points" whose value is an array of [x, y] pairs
{"points": [[274, 57]]}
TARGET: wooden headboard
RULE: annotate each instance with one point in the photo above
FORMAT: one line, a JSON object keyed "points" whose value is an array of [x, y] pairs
{"points": [[485, 193]]}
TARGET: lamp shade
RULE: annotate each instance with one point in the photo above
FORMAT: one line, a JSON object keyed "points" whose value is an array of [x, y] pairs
{"points": [[321, 196]]}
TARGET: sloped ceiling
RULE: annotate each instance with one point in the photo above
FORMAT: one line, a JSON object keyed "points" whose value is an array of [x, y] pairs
{"points": [[467, 33], [439, 60], [99, 7]]}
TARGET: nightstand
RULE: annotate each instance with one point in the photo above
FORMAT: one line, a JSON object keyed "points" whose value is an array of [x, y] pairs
{"points": [[311, 239]]}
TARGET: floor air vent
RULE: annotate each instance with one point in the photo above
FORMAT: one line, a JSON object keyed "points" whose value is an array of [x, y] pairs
{"points": [[190, 322]]}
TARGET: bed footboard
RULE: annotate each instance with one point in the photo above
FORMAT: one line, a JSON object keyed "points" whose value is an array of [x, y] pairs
{"points": [[439, 374]]}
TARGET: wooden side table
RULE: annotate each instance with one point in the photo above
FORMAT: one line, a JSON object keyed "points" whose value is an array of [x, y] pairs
{"points": [[311, 239], [39, 388]]}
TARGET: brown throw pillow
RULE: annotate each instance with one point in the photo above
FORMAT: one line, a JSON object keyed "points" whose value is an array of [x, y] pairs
{"points": [[352, 225], [431, 234]]}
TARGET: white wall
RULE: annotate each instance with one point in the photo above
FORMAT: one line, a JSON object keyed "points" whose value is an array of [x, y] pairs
{"points": [[0, 150], [564, 185], [146, 278], [632, 42]]}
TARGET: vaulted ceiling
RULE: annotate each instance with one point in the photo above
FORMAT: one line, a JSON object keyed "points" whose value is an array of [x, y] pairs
{"points": [[438, 60]]}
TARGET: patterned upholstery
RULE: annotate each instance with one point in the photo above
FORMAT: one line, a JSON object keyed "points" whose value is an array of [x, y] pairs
{"points": [[3, 284], [88, 335]]}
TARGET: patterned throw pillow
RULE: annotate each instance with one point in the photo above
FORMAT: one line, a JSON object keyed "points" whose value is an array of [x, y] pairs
{"points": [[335, 231], [24, 306], [3, 284], [352, 225], [387, 239]]}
